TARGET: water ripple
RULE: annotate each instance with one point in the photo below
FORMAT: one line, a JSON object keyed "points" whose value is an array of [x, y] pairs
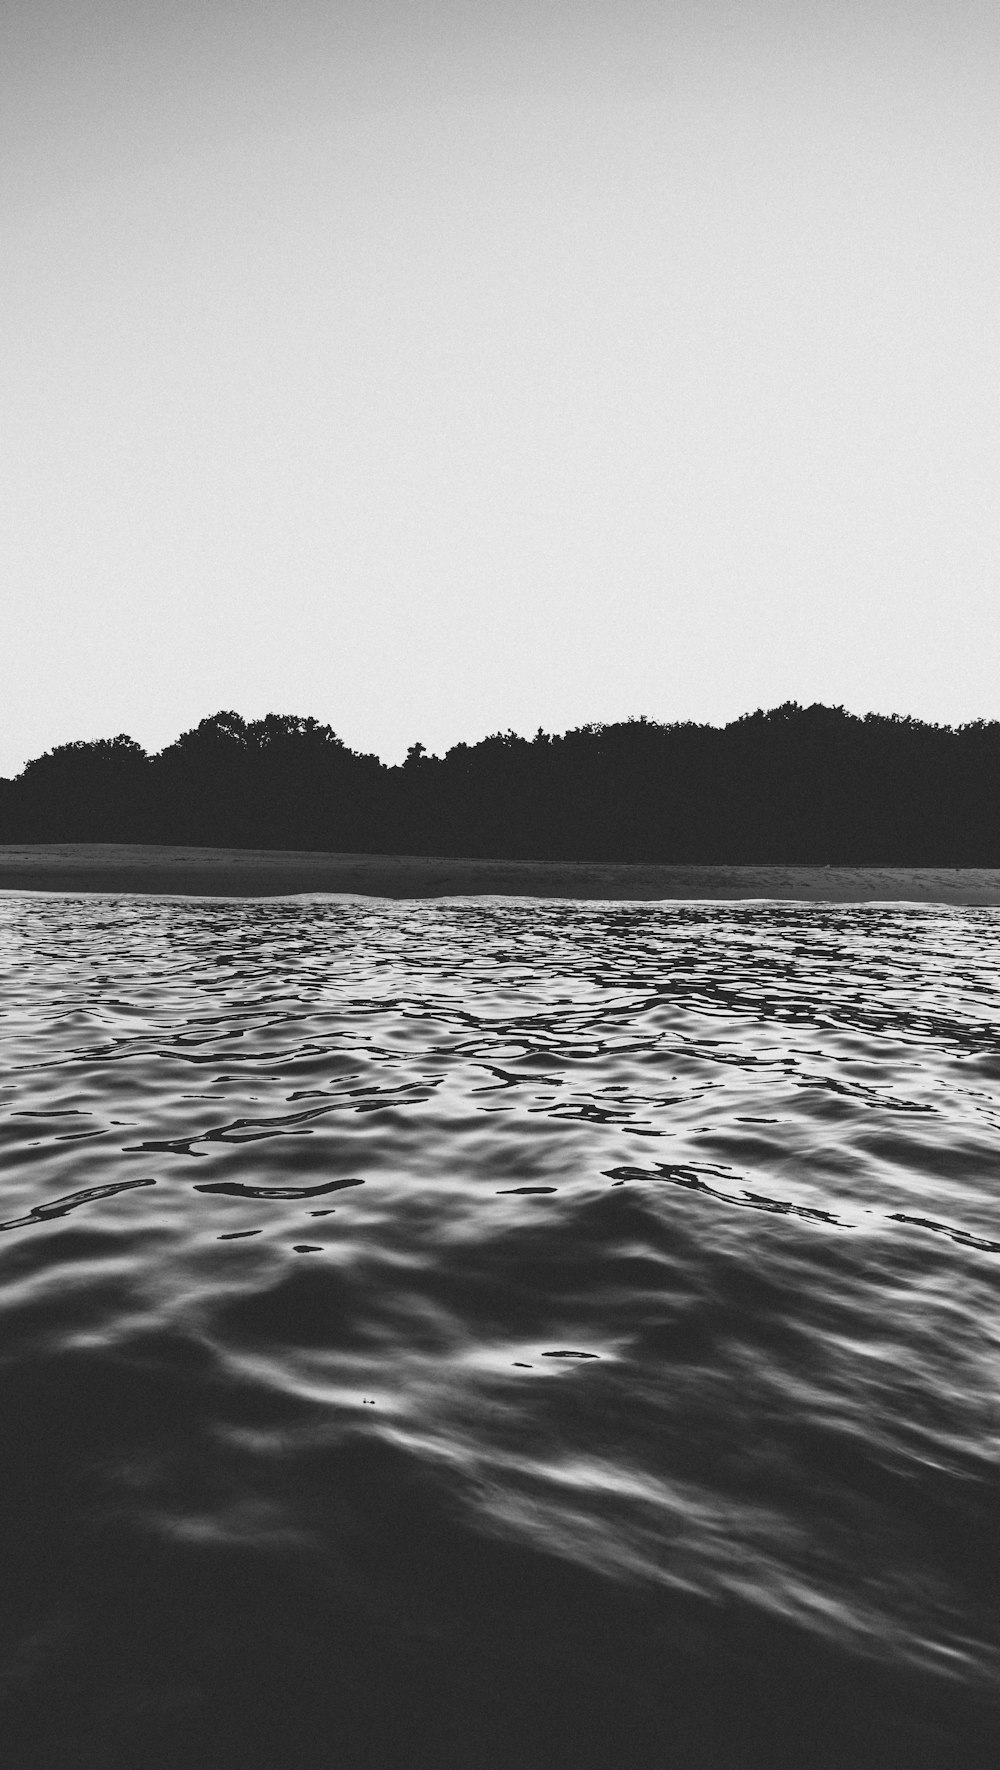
{"points": [[663, 1257]]}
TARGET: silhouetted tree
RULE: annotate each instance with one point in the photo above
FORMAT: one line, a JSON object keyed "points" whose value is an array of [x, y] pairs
{"points": [[281, 781], [794, 784], [81, 792]]}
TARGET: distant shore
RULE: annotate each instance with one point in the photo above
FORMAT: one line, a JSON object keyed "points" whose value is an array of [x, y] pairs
{"points": [[238, 872]]}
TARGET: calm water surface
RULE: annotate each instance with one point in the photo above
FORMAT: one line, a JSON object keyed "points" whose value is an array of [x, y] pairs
{"points": [[491, 1332]]}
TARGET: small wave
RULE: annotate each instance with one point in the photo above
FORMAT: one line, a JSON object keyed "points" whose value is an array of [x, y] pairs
{"points": [[650, 1347]]}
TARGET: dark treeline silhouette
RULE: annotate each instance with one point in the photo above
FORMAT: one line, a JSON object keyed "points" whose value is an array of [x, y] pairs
{"points": [[808, 785]]}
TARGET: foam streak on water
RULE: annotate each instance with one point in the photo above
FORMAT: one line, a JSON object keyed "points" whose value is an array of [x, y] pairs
{"points": [[494, 1332]]}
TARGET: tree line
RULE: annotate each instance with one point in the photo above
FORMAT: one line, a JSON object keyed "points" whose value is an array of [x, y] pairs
{"points": [[810, 785]]}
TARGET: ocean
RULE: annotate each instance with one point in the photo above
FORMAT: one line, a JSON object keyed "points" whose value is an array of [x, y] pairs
{"points": [[499, 1333]]}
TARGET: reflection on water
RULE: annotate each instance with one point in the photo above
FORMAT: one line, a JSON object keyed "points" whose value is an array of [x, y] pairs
{"points": [[492, 1332]]}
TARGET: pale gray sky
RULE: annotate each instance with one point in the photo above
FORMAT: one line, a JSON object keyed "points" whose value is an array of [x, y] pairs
{"points": [[436, 368]]}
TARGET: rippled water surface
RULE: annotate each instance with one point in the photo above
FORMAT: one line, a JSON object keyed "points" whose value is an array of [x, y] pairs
{"points": [[497, 1332]]}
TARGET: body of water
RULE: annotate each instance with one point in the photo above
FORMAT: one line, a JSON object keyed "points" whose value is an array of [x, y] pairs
{"points": [[498, 1333]]}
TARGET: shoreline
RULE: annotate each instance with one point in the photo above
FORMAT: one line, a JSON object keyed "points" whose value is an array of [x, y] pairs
{"points": [[151, 869]]}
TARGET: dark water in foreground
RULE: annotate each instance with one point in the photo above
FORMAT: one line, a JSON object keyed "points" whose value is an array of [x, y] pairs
{"points": [[498, 1333]]}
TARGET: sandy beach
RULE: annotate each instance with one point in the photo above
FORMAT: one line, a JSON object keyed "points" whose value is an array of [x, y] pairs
{"points": [[235, 872]]}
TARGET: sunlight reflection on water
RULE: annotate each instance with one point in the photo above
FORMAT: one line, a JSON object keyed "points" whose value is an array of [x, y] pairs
{"points": [[656, 1240]]}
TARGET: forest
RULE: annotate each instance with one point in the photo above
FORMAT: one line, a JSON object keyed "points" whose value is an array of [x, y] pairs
{"points": [[809, 785]]}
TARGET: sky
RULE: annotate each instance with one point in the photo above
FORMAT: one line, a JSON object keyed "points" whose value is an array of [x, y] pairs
{"points": [[439, 368]]}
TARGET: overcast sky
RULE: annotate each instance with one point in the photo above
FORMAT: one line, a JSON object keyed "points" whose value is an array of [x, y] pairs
{"points": [[444, 366]]}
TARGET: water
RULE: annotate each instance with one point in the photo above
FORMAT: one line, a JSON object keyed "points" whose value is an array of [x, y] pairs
{"points": [[498, 1333]]}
